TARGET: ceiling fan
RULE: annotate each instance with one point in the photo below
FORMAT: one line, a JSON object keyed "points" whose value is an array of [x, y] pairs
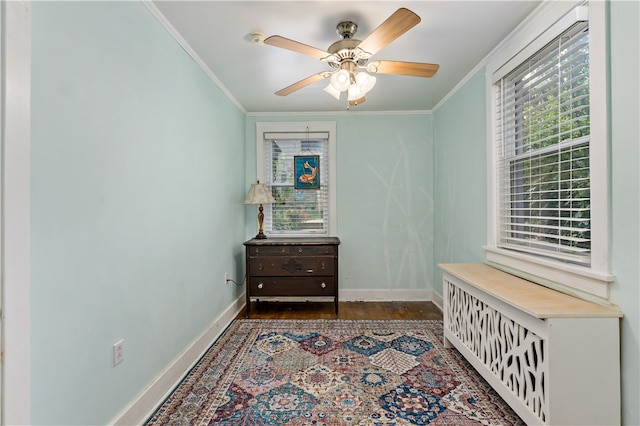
{"points": [[349, 58]]}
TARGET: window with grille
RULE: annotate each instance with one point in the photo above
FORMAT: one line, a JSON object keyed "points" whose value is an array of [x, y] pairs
{"points": [[298, 210], [542, 136]]}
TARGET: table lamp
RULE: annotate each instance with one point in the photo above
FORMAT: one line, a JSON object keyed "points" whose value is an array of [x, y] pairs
{"points": [[259, 193]]}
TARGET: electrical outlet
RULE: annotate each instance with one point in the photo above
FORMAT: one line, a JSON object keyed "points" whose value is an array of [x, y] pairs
{"points": [[226, 278], [118, 352]]}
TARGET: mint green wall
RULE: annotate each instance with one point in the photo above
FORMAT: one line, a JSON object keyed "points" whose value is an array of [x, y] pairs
{"points": [[625, 193], [460, 182], [384, 196], [460, 225], [137, 182], [139, 167]]}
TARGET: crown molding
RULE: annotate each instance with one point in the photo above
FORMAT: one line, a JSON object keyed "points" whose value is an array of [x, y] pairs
{"points": [[192, 53]]}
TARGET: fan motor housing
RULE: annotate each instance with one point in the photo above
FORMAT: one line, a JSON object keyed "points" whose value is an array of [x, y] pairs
{"points": [[344, 50]]}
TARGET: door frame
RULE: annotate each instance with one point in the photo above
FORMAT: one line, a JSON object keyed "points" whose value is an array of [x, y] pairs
{"points": [[15, 160]]}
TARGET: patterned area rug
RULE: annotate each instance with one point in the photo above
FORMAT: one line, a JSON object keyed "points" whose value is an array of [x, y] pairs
{"points": [[333, 372]]}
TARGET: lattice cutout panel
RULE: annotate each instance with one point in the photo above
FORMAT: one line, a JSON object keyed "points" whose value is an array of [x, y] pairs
{"points": [[514, 354]]}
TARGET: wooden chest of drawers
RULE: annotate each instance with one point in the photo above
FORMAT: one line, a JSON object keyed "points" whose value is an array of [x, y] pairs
{"points": [[301, 269]]}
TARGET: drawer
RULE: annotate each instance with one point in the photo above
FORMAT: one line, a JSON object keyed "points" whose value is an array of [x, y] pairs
{"points": [[296, 266], [311, 250], [267, 250], [298, 250], [291, 287]]}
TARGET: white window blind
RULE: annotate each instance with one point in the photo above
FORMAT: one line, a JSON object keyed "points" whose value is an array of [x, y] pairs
{"points": [[543, 136], [296, 211]]}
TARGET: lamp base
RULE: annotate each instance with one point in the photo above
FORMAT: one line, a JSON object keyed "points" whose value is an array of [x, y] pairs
{"points": [[260, 235]]}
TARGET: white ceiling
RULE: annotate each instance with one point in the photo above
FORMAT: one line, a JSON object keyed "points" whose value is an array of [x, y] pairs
{"points": [[455, 34]]}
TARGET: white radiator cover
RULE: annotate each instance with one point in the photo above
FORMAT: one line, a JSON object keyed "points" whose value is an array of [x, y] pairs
{"points": [[561, 370]]}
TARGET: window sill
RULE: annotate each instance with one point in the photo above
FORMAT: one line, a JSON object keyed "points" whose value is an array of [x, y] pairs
{"points": [[575, 280]]}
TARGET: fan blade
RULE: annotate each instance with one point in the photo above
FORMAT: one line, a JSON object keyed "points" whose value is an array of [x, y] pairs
{"points": [[401, 21], [295, 46], [302, 83], [414, 69]]}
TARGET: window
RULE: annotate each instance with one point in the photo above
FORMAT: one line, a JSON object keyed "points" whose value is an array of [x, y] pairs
{"points": [[286, 154], [548, 150], [542, 136]]}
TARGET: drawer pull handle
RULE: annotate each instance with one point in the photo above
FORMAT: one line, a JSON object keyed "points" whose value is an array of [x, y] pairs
{"points": [[299, 250], [260, 285], [309, 271], [260, 266], [323, 265], [323, 285]]}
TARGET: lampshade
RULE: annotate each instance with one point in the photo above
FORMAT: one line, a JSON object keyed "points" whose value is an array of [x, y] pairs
{"points": [[259, 194]]}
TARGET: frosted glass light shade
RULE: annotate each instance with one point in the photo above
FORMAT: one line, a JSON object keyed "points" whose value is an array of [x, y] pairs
{"points": [[365, 82], [332, 91], [340, 80], [354, 93]]}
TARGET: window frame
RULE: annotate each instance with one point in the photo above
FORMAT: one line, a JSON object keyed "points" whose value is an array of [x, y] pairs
{"points": [[302, 127], [547, 22]]}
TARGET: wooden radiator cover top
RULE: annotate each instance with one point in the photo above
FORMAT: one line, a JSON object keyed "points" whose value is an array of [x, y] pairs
{"points": [[534, 299]]}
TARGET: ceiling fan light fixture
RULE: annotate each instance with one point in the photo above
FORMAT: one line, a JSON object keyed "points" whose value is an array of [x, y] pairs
{"points": [[354, 92], [332, 91], [365, 82], [340, 80]]}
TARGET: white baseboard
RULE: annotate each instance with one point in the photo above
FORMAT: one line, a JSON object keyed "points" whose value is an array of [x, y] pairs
{"points": [[385, 295], [150, 399], [437, 300]]}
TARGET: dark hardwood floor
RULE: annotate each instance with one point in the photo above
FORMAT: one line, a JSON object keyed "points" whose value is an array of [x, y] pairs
{"points": [[346, 310]]}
